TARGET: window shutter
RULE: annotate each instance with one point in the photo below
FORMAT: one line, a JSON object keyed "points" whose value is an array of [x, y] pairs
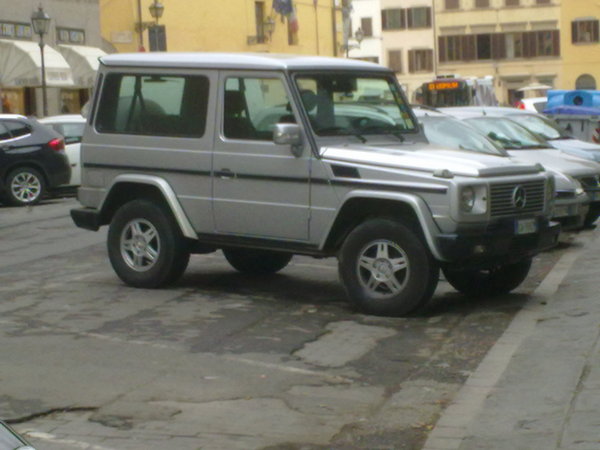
{"points": [[411, 61], [429, 60], [409, 20], [428, 17], [468, 47], [574, 34], [529, 49], [442, 49], [595, 33], [556, 43], [403, 18], [395, 60], [498, 46]]}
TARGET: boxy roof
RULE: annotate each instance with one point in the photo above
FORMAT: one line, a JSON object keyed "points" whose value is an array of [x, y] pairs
{"points": [[239, 61]]}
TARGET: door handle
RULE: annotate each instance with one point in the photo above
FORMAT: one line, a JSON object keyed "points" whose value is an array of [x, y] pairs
{"points": [[225, 174]]}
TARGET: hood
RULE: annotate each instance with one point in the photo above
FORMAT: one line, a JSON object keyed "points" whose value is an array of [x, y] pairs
{"points": [[428, 158], [583, 149], [555, 160]]}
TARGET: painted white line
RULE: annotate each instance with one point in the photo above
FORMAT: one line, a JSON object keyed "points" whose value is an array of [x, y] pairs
{"points": [[68, 443], [284, 368], [452, 427]]}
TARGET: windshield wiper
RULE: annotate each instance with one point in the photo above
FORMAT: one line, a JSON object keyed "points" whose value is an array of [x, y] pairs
{"points": [[386, 130], [533, 147]]}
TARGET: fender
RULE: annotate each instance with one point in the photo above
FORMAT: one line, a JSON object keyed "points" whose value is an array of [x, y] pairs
{"points": [[418, 205], [167, 193]]}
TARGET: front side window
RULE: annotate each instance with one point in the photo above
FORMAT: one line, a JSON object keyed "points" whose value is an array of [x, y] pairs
{"points": [[155, 105], [252, 106], [508, 134], [349, 104]]}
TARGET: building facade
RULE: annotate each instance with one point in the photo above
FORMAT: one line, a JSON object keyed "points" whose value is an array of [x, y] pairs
{"points": [[517, 42], [72, 46], [312, 27], [398, 34], [580, 42]]}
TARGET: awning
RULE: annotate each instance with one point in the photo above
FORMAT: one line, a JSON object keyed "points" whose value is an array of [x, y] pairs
{"points": [[83, 61], [21, 65]]}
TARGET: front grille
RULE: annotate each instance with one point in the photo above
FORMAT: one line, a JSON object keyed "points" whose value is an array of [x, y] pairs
{"points": [[501, 199]]}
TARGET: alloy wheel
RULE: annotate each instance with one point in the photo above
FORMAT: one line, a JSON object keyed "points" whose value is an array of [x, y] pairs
{"points": [[383, 268], [140, 245]]}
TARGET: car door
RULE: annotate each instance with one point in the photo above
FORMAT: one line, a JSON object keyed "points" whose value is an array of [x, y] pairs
{"points": [[260, 189]]}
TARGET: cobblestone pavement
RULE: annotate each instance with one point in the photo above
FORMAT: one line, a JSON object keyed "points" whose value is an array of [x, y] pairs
{"points": [[221, 360]]}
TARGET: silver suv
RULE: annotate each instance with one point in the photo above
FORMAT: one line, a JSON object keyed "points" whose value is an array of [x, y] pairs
{"points": [[267, 156]]}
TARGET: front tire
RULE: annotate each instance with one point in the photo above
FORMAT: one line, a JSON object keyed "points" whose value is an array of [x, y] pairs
{"points": [[386, 268], [489, 282], [24, 186], [145, 245], [260, 262]]}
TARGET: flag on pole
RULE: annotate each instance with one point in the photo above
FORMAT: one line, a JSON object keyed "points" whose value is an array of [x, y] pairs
{"points": [[283, 7]]}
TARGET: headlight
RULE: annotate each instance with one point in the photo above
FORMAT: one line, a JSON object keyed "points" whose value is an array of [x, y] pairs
{"points": [[550, 189], [577, 185], [467, 199]]}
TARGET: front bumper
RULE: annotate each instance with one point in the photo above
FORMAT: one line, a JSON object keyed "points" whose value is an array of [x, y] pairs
{"points": [[571, 212], [498, 244]]}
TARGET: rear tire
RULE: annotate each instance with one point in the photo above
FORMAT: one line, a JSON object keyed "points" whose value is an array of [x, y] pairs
{"points": [[490, 282], [256, 261], [145, 245], [386, 268], [24, 186]]}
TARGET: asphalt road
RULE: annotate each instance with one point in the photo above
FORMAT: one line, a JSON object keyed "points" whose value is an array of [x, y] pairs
{"points": [[220, 360]]}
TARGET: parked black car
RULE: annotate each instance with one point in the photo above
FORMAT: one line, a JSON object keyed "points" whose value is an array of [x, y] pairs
{"points": [[32, 160]]}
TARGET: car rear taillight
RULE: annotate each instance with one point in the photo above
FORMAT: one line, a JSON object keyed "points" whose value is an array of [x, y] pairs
{"points": [[57, 145], [520, 105]]}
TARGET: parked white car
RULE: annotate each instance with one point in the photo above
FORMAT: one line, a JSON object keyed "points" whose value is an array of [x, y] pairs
{"points": [[533, 104], [527, 146], [71, 127], [548, 130], [571, 203]]}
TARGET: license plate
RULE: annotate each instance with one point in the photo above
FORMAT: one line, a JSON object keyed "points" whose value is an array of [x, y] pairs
{"points": [[525, 226], [565, 211]]}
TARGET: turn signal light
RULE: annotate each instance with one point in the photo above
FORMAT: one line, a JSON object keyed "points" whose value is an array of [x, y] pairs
{"points": [[57, 145]]}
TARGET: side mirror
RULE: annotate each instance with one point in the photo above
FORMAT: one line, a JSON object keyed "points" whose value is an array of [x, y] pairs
{"points": [[289, 134]]}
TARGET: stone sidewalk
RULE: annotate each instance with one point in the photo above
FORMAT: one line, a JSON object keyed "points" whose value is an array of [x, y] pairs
{"points": [[539, 386]]}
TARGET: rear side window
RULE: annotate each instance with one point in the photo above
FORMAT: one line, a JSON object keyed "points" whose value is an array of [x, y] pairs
{"points": [[154, 105], [4, 134], [72, 132], [17, 129]]}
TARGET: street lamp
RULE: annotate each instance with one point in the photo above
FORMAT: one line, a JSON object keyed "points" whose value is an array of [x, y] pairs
{"points": [[156, 10], [359, 35], [41, 23], [269, 26]]}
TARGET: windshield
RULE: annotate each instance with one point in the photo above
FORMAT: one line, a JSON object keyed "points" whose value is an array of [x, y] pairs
{"points": [[359, 105], [453, 133], [543, 126], [510, 135]]}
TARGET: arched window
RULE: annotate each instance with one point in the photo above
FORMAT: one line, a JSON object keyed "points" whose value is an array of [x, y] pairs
{"points": [[585, 82]]}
